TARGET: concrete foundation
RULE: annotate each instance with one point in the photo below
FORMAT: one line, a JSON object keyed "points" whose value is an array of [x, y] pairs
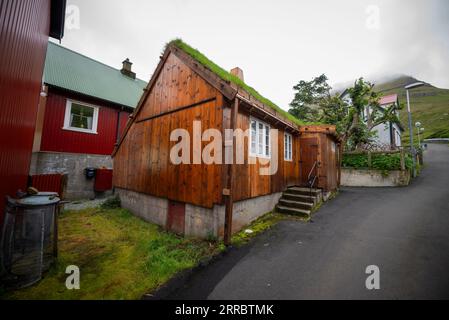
{"points": [[72, 164], [374, 178], [199, 222]]}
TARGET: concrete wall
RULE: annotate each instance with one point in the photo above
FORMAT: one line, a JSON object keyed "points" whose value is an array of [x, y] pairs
{"points": [[374, 178], [72, 164], [199, 222]]}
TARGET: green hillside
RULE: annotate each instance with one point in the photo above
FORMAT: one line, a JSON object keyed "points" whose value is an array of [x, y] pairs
{"points": [[429, 105]]}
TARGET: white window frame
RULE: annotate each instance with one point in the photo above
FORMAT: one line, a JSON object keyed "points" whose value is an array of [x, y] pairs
{"points": [[257, 154], [68, 109], [288, 142]]}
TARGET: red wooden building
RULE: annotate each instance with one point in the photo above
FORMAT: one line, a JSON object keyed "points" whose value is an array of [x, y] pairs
{"points": [[25, 27], [81, 117]]}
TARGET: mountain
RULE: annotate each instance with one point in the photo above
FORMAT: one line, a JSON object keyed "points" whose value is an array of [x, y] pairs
{"points": [[429, 105]]}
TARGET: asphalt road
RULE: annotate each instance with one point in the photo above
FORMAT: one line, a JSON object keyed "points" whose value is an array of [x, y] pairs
{"points": [[404, 231]]}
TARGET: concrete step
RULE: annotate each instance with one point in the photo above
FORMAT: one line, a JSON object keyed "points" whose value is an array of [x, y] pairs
{"points": [[303, 191], [299, 197], [295, 204], [293, 211]]}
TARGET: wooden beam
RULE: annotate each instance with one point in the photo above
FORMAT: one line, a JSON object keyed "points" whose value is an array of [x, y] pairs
{"points": [[228, 192], [178, 109]]}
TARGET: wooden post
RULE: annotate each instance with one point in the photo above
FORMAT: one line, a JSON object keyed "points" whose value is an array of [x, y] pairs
{"points": [[370, 162], [228, 193], [402, 159], [339, 162]]}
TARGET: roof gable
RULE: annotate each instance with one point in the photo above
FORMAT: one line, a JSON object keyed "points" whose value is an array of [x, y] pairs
{"points": [[390, 99], [230, 79], [72, 71]]}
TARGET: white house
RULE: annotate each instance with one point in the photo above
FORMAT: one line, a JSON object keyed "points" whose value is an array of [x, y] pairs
{"points": [[387, 135]]}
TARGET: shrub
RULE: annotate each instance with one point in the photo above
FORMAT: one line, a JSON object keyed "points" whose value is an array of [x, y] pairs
{"points": [[379, 161]]}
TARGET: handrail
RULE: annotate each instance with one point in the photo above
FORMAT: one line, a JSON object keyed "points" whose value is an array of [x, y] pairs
{"points": [[311, 170], [309, 178]]}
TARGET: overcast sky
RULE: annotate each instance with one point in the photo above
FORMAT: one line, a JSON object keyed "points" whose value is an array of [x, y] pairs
{"points": [[275, 42]]}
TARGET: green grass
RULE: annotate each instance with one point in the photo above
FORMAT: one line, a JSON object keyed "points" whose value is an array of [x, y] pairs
{"points": [[119, 256], [259, 226], [225, 75], [429, 105]]}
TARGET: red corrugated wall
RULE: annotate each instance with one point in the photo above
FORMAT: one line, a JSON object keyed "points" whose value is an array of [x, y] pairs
{"points": [[24, 29], [55, 139], [49, 183]]}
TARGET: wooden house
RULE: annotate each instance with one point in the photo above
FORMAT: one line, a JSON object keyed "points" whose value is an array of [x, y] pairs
{"points": [[196, 198]]}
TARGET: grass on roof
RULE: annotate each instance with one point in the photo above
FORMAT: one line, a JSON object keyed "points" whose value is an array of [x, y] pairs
{"points": [[225, 75]]}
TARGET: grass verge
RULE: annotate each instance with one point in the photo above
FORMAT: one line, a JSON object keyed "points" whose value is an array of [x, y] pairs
{"points": [[119, 256]]}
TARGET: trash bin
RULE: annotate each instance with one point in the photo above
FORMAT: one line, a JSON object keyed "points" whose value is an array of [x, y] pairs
{"points": [[28, 239]]}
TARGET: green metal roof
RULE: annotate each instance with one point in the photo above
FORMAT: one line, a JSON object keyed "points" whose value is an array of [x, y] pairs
{"points": [[70, 70]]}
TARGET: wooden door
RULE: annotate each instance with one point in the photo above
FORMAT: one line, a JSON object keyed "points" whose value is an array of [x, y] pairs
{"points": [[309, 154], [176, 217]]}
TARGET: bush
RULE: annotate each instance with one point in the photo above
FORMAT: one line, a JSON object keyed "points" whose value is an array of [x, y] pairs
{"points": [[382, 161]]}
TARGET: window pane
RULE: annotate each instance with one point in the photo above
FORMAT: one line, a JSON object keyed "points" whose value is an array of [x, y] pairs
{"points": [[253, 136], [260, 132], [267, 140], [291, 148], [285, 146], [81, 116]]}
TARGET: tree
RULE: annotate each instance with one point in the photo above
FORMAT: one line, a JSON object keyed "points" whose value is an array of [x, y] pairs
{"points": [[365, 101], [334, 111], [308, 96]]}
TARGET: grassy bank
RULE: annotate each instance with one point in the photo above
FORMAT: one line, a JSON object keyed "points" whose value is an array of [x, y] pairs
{"points": [[119, 256]]}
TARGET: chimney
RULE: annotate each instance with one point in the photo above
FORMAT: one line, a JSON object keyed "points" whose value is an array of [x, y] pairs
{"points": [[126, 69], [238, 73]]}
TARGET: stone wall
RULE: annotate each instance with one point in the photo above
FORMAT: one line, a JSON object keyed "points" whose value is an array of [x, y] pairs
{"points": [[374, 178], [72, 164], [199, 222]]}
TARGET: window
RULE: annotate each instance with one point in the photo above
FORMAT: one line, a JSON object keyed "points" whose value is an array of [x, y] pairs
{"points": [[259, 139], [80, 117], [288, 155]]}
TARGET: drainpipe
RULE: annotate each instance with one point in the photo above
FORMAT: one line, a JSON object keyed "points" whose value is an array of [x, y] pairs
{"points": [[117, 132], [228, 193]]}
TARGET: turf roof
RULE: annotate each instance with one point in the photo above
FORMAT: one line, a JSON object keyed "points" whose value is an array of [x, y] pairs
{"points": [[227, 76]]}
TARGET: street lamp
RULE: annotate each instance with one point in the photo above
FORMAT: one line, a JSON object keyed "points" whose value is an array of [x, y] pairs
{"points": [[410, 126], [418, 126]]}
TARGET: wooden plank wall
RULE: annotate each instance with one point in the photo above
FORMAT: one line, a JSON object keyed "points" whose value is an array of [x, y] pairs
{"points": [[142, 163], [328, 169], [248, 182], [177, 86], [329, 172]]}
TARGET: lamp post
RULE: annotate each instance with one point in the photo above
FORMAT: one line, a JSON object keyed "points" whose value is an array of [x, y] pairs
{"points": [[410, 125]]}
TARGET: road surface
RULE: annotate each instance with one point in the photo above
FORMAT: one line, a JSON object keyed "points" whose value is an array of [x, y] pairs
{"points": [[403, 231]]}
